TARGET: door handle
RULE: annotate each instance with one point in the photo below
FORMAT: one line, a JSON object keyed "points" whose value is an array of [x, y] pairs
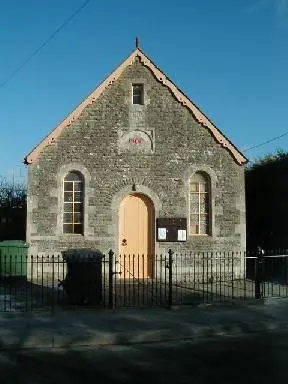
{"points": [[124, 242]]}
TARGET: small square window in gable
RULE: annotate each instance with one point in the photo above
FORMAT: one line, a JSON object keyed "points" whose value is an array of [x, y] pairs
{"points": [[138, 94]]}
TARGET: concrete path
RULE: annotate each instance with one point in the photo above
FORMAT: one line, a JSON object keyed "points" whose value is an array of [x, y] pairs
{"points": [[110, 327]]}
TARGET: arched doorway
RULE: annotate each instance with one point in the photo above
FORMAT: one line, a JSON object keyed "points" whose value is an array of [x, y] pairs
{"points": [[136, 236]]}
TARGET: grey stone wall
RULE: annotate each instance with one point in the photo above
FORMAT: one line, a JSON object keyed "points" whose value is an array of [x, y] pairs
{"points": [[97, 144]]}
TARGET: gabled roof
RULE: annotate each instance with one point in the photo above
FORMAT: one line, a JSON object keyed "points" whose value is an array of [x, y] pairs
{"points": [[184, 100]]}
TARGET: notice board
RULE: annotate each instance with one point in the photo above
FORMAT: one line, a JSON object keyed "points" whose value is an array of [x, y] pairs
{"points": [[171, 229]]}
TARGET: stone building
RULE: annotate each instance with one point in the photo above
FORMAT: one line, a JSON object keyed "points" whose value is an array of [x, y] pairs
{"points": [[136, 168]]}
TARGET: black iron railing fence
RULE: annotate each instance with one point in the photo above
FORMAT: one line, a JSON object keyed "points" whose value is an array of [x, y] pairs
{"points": [[93, 280]]}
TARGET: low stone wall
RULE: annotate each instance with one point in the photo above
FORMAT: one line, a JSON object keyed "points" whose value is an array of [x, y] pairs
{"points": [[190, 268], [46, 270], [208, 268]]}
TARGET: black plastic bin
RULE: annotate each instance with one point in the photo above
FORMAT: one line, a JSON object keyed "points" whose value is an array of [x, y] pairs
{"points": [[83, 281]]}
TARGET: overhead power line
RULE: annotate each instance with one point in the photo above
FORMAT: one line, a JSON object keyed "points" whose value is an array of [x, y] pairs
{"points": [[265, 142], [44, 44]]}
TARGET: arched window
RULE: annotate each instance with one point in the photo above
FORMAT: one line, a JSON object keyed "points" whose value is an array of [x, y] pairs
{"points": [[73, 189], [199, 204]]}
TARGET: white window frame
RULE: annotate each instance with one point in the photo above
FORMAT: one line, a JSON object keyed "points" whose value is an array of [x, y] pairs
{"points": [[73, 202], [207, 191]]}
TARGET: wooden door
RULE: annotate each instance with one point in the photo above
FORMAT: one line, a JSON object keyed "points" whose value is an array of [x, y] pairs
{"points": [[136, 236]]}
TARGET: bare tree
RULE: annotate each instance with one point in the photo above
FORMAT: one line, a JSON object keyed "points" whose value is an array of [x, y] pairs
{"points": [[12, 195]]}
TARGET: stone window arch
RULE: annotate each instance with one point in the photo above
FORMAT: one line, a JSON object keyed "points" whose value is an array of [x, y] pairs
{"points": [[73, 203], [200, 204]]}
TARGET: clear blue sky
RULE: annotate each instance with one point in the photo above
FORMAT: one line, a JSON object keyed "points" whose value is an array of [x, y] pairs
{"points": [[229, 56]]}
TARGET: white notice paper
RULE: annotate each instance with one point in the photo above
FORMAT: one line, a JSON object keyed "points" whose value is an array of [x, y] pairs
{"points": [[161, 233], [181, 235]]}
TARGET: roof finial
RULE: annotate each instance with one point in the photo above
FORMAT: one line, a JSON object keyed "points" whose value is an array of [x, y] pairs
{"points": [[137, 43]]}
